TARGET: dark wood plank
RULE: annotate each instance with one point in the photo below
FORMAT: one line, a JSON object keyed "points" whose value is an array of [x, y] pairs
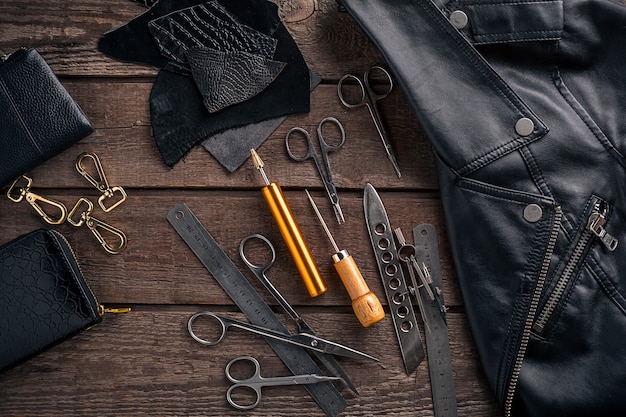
{"points": [[157, 267], [145, 363]]}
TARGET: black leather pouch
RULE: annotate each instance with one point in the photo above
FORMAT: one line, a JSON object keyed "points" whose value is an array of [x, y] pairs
{"points": [[44, 298], [38, 117]]}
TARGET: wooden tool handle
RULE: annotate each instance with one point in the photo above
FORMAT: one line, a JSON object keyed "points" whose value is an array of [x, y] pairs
{"points": [[365, 304]]}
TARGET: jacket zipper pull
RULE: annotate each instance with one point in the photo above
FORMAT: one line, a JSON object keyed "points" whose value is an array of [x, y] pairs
{"points": [[597, 219]]}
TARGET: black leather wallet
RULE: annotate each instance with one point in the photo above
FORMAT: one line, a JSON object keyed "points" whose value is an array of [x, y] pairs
{"points": [[38, 117], [44, 298]]}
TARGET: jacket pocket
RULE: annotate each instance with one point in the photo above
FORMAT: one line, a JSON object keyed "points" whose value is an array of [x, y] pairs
{"points": [[501, 242], [491, 21]]}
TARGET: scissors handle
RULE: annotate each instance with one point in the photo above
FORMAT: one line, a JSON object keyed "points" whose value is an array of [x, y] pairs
{"points": [[375, 96], [369, 96], [221, 320], [259, 272], [256, 268], [324, 145], [310, 151], [348, 103]]}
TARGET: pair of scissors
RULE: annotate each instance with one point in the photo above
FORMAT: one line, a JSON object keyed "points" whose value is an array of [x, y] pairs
{"points": [[259, 271], [303, 340], [370, 99], [256, 382], [324, 171]]}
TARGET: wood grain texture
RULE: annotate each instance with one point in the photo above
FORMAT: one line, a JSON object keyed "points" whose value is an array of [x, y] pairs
{"points": [[144, 362]]}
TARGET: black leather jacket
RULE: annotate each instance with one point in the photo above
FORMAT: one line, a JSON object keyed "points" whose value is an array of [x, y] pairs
{"points": [[523, 102]]}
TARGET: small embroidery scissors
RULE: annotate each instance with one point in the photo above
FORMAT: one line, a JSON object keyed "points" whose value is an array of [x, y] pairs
{"points": [[256, 382], [259, 271], [325, 172], [370, 99], [304, 340]]}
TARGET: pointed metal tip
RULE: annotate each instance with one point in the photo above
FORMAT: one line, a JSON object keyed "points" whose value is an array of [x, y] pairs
{"points": [[256, 159]]}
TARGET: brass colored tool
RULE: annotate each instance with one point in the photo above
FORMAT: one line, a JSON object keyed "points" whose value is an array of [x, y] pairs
{"points": [[291, 232], [365, 304]]}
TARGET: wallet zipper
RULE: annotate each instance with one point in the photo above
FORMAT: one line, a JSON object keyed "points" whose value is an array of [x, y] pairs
{"points": [[7, 57], [101, 309]]}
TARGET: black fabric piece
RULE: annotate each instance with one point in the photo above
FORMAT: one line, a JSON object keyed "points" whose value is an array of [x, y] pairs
{"points": [[227, 78], [179, 118], [134, 43], [208, 25], [232, 147]]}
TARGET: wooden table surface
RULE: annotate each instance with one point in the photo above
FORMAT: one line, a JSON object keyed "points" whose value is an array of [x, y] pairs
{"points": [[144, 362]]}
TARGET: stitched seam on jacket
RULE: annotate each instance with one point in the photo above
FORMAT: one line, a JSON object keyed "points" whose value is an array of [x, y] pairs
{"points": [[586, 118], [535, 170], [606, 284]]}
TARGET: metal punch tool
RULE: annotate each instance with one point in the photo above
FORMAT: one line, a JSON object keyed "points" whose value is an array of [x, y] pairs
{"points": [[324, 170], [259, 271]]}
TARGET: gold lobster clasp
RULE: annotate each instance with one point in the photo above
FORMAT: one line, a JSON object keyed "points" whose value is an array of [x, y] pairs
{"points": [[96, 225], [99, 181], [17, 193]]}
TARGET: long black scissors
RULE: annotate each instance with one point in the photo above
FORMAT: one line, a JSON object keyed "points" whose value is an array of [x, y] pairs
{"points": [[259, 271]]}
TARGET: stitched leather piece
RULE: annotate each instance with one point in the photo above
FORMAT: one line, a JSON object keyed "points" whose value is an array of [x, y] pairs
{"points": [[227, 78], [43, 296], [179, 118], [207, 25], [38, 117]]}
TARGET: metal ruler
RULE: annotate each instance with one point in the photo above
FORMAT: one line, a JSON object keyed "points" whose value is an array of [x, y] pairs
{"points": [[437, 341], [252, 304], [396, 290]]}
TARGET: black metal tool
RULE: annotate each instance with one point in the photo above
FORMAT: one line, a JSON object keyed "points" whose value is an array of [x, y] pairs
{"points": [[251, 304], [398, 296]]}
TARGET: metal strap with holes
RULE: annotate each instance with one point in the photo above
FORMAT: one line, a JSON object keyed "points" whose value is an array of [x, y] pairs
{"points": [[437, 340], [251, 304], [396, 290]]}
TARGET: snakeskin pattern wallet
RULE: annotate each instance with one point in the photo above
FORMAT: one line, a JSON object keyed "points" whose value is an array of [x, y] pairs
{"points": [[44, 298]]}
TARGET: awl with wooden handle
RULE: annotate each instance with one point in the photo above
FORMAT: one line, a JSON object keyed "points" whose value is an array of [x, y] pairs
{"points": [[365, 304]]}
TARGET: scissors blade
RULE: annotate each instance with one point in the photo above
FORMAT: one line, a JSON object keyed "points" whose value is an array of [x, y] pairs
{"points": [[332, 348], [380, 128], [326, 359]]}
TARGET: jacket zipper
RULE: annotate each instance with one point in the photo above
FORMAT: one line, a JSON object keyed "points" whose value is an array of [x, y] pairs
{"points": [[532, 311], [594, 228]]}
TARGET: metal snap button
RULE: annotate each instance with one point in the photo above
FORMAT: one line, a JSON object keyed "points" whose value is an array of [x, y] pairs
{"points": [[459, 19], [533, 213], [524, 126]]}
